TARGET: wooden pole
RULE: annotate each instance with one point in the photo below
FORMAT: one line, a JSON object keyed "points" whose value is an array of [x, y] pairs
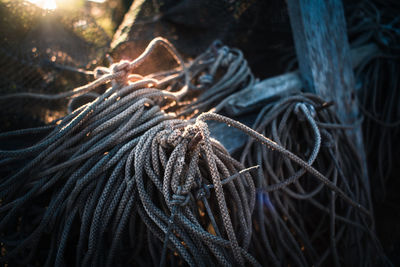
{"points": [[323, 52]]}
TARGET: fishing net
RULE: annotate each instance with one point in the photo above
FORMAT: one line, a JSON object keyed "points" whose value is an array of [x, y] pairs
{"points": [[45, 52]]}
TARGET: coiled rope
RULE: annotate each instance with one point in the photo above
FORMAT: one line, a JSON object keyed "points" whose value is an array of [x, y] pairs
{"points": [[117, 170], [299, 220], [121, 181]]}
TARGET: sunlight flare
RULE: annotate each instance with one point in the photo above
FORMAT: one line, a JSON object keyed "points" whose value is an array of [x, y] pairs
{"points": [[45, 4]]}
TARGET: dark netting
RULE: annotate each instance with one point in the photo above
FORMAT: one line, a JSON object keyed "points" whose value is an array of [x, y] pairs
{"points": [[44, 52], [375, 26]]}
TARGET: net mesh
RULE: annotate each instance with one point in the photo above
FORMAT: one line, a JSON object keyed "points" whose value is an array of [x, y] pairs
{"points": [[44, 52]]}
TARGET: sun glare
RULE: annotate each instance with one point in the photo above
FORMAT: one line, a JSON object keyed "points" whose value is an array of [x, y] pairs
{"points": [[45, 4]]}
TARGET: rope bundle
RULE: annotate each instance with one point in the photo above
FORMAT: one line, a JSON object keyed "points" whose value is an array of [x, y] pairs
{"points": [[298, 219], [109, 168], [211, 77], [118, 171], [67, 178], [227, 73], [121, 181], [191, 171]]}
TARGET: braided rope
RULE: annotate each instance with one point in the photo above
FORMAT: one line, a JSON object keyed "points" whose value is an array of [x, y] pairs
{"points": [[120, 180], [119, 169]]}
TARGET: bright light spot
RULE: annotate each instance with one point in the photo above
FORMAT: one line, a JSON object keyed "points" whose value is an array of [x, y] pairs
{"points": [[45, 4], [97, 1], [80, 24]]}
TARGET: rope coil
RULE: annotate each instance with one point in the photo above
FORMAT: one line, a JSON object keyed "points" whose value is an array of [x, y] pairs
{"points": [[122, 180]]}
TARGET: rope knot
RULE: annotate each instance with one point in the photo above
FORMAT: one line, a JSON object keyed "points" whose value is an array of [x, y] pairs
{"points": [[203, 191], [100, 71], [194, 136], [122, 67], [206, 79], [180, 199], [227, 60]]}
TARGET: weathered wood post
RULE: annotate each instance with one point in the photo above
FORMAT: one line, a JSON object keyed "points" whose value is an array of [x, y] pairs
{"points": [[323, 52]]}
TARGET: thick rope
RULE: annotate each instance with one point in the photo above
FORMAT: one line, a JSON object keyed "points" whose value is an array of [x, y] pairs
{"points": [[120, 180]]}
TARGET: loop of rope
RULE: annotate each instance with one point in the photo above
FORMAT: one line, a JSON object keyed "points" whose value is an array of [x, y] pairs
{"points": [[220, 72]]}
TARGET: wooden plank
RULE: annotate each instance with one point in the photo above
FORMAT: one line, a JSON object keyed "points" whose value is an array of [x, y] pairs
{"points": [[252, 98], [249, 100]]}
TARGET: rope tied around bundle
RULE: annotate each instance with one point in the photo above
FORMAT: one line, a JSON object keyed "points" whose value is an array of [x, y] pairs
{"points": [[178, 199], [179, 152]]}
